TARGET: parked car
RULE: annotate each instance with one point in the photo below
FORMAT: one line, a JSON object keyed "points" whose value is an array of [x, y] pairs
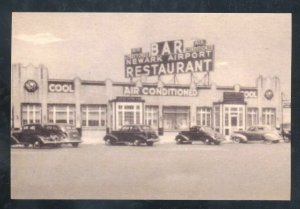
{"points": [[67, 132], [39, 135], [256, 133], [35, 135], [133, 135], [199, 133], [286, 132]]}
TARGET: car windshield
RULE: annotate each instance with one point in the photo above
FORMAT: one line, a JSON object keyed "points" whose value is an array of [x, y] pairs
{"points": [[265, 128], [68, 128], [207, 129], [146, 128]]}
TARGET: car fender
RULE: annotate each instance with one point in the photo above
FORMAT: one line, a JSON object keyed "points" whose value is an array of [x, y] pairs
{"points": [[182, 136], [14, 139], [142, 137], [110, 136], [242, 137], [271, 137]]}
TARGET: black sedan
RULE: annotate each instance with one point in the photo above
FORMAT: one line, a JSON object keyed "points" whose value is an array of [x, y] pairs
{"points": [[199, 133], [133, 135]]}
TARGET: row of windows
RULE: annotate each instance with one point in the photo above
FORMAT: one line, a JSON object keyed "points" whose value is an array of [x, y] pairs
{"points": [[174, 117], [91, 115]]}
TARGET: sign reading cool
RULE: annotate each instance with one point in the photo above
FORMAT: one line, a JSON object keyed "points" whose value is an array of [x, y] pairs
{"points": [[61, 87]]}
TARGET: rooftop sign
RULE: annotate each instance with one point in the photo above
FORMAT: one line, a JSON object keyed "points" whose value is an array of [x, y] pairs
{"points": [[170, 57]]}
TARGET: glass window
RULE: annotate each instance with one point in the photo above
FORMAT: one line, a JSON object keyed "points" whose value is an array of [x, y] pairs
{"points": [[129, 114], [93, 115], [61, 113], [217, 117], [176, 117], [151, 116], [31, 113], [269, 117], [252, 116], [203, 116]]}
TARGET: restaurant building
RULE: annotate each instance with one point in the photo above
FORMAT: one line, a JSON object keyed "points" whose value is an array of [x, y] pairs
{"points": [[105, 105], [98, 105]]}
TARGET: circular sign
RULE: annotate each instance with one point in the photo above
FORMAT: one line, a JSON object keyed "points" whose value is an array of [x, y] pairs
{"points": [[31, 86], [269, 94]]}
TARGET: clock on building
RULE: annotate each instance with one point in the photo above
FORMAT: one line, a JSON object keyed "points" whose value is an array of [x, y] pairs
{"points": [[31, 85]]}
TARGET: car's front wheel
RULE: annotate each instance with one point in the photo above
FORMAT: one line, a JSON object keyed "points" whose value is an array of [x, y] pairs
{"points": [[108, 141], [136, 142], [217, 142], [75, 144], [37, 144], [149, 143], [179, 140], [236, 140], [207, 141]]}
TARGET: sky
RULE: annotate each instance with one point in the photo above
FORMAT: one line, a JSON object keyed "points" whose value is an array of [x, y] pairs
{"points": [[92, 46]]}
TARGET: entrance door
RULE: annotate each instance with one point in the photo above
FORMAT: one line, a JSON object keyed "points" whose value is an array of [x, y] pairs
{"points": [[234, 118]]}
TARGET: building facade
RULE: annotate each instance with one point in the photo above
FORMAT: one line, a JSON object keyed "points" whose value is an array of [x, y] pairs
{"points": [[101, 106]]}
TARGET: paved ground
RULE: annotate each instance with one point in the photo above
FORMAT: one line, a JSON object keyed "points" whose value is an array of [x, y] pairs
{"points": [[165, 171]]}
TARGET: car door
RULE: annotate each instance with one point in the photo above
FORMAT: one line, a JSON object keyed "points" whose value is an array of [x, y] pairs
{"points": [[250, 133], [194, 134], [134, 131], [259, 133], [123, 133], [30, 134], [24, 134]]}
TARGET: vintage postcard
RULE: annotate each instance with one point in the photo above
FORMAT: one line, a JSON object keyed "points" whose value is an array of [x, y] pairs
{"points": [[154, 106]]}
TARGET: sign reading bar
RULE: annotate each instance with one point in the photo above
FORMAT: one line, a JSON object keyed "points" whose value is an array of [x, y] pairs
{"points": [[61, 86], [170, 57], [155, 91]]}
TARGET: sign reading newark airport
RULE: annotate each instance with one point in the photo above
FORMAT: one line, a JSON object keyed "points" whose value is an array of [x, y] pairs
{"points": [[170, 57]]}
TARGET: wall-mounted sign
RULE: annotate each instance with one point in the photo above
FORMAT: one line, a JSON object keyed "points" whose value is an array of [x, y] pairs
{"points": [[249, 93], [61, 86], [129, 99], [170, 57], [233, 98], [269, 94], [31, 86], [155, 91]]}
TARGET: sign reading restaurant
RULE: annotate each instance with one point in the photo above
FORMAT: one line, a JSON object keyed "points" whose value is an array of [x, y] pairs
{"points": [[170, 57]]}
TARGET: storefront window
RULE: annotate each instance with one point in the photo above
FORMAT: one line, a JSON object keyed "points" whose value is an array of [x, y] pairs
{"points": [[93, 115], [268, 117], [129, 114], [151, 116], [61, 113], [217, 118], [176, 117], [204, 116], [252, 116], [31, 113]]}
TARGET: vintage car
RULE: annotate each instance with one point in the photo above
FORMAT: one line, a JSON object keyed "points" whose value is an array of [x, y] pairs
{"points": [[133, 135], [199, 133], [39, 135], [286, 132], [256, 133], [67, 132]]}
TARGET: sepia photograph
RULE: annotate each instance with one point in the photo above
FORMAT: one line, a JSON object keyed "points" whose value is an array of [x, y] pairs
{"points": [[151, 106]]}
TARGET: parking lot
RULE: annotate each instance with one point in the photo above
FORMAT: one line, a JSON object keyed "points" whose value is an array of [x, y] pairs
{"points": [[253, 171]]}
